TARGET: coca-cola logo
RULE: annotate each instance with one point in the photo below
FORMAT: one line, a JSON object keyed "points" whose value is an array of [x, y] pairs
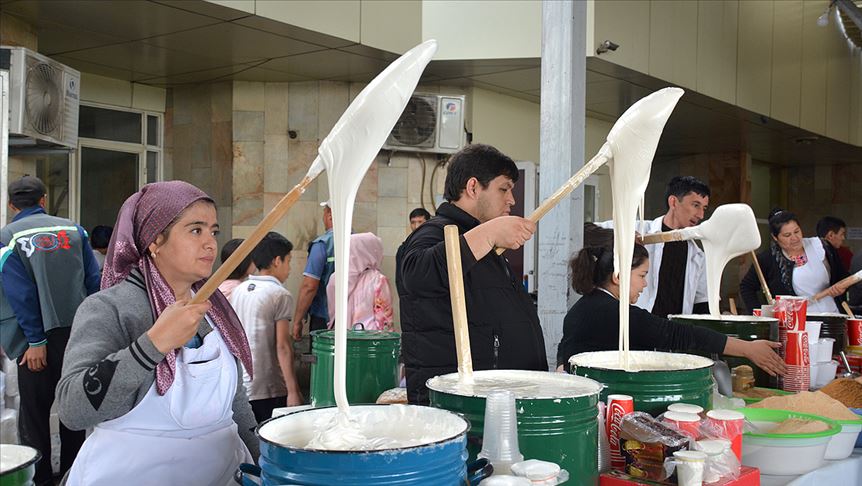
{"points": [[616, 412], [806, 356]]}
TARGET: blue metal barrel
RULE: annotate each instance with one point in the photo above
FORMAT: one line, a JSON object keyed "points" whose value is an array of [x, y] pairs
{"points": [[284, 459]]}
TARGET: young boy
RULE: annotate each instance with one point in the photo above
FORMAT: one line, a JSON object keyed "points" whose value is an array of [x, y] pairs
{"points": [[265, 308]]}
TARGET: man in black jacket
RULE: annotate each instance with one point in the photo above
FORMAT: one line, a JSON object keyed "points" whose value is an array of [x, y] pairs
{"points": [[503, 322]]}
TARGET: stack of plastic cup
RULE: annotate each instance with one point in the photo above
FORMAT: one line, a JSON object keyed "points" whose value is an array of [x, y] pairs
{"points": [[500, 441]]}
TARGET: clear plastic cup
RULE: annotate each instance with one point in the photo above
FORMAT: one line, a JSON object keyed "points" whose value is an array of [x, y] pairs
{"points": [[689, 467], [500, 441], [813, 328]]}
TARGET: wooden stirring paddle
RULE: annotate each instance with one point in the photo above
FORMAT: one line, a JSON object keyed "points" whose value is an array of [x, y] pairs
{"points": [[763, 286], [459, 303], [848, 310]]}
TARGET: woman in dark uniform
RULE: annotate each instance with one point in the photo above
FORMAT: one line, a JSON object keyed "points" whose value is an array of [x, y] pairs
{"points": [[592, 324]]}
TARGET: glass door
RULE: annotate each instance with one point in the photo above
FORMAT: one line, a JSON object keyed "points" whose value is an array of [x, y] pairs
{"points": [[108, 177]]}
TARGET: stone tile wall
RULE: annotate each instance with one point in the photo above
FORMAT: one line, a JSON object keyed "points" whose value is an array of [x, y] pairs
{"points": [[277, 128]]}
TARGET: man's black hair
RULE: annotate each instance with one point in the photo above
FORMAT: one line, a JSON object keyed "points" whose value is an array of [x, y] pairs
{"points": [[272, 245], [680, 186], [100, 237], [829, 223], [481, 161], [420, 212]]}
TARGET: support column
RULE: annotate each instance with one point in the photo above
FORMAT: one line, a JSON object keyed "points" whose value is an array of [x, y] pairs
{"points": [[561, 155]]}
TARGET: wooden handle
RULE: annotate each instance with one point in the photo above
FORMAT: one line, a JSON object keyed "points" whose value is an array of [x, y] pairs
{"points": [[666, 237], [732, 306], [846, 283], [570, 185], [848, 310], [248, 245], [763, 286], [459, 303]]}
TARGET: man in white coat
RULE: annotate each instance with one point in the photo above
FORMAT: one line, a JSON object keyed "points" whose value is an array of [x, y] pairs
{"points": [[676, 282]]}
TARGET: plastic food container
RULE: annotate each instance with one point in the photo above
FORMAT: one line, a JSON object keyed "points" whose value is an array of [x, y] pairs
{"points": [[825, 351], [841, 445], [784, 454]]}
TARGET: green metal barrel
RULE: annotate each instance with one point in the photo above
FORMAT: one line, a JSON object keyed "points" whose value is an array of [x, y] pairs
{"points": [[665, 378], [561, 429], [372, 365], [747, 328]]}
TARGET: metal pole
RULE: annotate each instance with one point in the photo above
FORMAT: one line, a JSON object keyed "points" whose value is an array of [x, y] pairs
{"points": [[561, 155]]}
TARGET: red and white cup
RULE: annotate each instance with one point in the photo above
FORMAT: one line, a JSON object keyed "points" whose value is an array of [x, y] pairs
{"points": [[727, 424], [854, 332], [796, 309], [687, 423], [797, 357], [618, 407], [757, 312]]}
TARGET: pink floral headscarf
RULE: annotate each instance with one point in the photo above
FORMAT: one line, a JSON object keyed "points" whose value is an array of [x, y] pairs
{"points": [[369, 300], [144, 216]]}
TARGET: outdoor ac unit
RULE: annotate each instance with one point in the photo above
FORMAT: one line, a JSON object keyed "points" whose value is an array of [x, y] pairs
{"points": [[44, 96], [430, 123]]}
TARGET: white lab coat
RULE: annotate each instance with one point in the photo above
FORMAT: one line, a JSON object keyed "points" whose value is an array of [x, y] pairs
{"points": [[694, 291]]}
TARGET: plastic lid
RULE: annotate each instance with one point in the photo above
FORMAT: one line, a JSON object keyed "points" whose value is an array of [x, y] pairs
{"points": [[505, 480], [685, 408], [690, 456], [713, 447], [725, 415], [535, 469], [682, 417]]}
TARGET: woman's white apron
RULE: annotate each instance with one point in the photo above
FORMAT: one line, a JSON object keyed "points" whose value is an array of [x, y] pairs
{"points": [[811, 278], [187, 436]]}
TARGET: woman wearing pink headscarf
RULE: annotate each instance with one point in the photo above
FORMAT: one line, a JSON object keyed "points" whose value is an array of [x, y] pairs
{"points": [[369, 300], [158, 378]]}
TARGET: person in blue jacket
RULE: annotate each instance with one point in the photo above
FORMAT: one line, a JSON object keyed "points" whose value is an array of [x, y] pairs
{"points": [[47, 269]]}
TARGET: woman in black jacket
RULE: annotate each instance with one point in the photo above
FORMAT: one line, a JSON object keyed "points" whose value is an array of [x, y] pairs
{"points": [[592, 324], [794, 265]]}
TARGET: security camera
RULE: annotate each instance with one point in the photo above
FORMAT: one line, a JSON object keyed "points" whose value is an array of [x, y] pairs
{"points": [[607, 46]]}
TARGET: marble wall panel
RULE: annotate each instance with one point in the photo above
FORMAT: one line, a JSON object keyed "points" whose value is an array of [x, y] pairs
{"points": [[333, 100], [221, 102], [248, 126], [270, 199], [391, 182], [276, 96], [300, 155], [392, 210], [247, 183], [365, 217], [302, 223], [248, 96], [275, 175], [303, 113], [392, 237], [368, 191]]}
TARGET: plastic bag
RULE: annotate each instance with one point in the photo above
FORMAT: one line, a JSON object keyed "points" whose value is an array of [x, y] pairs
{"points": [[646, 443]]}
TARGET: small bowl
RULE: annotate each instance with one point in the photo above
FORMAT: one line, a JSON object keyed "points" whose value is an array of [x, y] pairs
{"points": [[842, 444], [784, 454]]}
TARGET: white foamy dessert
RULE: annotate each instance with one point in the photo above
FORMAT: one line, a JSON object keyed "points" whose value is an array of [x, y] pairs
{"points": [[641, 361], [12, 456], [524, 384], [723, 317], [366, 428]]}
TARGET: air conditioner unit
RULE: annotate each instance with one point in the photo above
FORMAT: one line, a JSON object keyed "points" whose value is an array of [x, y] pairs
{"points": [[44, 96], [430, 123]]}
